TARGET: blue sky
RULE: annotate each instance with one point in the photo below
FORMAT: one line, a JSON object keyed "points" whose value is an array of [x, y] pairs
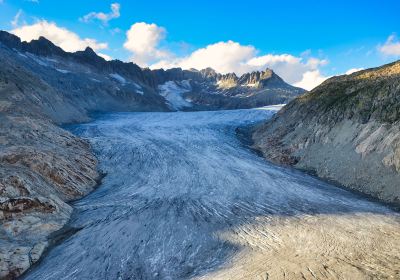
{"points": [[315, 38]]}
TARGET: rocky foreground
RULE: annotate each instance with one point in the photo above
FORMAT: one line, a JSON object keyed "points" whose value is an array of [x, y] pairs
{"points": [[42, 167], [346, 130]]}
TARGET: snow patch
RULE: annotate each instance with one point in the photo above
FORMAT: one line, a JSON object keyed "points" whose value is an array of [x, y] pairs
{"points": [[172, 92], [51, 60], [250, 85], [276, 107], [139, 89], [21, 54], [119, 78], [63, 71], [37, 60]]}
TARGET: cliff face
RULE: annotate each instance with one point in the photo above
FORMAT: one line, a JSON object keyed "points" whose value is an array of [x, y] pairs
{"points": [[346, 130]]}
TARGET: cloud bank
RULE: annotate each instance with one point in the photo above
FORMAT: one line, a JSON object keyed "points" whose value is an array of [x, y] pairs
{"points": [[103, 17], [60, 36], [391, 47], [143, 41]]}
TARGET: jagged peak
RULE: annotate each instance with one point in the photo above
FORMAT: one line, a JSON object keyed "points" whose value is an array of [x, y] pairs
{"points": [[89, 50], [9, 37], [230, 75], [208, 69], [42, 46], [209, 72], [42, 41]]}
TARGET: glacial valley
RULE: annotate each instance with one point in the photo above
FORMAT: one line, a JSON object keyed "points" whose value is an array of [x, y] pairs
{"points": [[184, 198]]}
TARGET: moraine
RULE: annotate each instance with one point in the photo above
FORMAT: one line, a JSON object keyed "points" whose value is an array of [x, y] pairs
{"points": [[184, 199]]}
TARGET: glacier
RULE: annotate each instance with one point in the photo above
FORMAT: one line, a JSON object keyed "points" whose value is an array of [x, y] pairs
{"points": [[184, 198]]}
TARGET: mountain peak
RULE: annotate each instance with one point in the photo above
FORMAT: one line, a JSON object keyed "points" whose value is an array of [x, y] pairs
{"points": [[90, 51], [44, 47], [9, 39], [261, 79]]}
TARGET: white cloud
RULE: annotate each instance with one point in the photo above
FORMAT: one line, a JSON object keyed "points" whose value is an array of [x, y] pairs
{"points": [[115, 31], [143, 42], [310, 80], [16, 18], [105, 56], [62, 37], [353, 70], [224, 57], [391, 46], [103, 17]]}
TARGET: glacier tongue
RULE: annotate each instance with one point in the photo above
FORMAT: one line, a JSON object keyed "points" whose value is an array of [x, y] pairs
{"points": [[184, 199]]}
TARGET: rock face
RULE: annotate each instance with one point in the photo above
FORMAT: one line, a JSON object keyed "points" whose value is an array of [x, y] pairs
{"points": [[346, 130], [41, 168]]}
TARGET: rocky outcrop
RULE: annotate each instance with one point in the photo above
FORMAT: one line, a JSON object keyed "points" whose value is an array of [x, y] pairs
{"points": [[346, 130], [42, 167]]}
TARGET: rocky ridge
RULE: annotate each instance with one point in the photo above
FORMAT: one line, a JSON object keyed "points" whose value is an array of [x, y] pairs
{"points": [[346, 130], [82, 71]]}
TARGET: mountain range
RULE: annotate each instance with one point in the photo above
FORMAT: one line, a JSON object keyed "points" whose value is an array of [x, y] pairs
{"points": [[126, 87]]}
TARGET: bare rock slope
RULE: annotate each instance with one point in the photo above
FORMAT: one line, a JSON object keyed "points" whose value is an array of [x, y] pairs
{"points": [[42, 167], [346, 130]]}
